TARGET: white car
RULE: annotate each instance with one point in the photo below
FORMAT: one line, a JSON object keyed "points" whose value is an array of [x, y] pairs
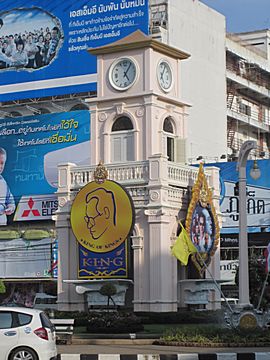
{"points": [[26, 334]]}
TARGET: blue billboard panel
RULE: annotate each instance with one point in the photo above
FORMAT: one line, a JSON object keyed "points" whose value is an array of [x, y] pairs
{"points": [[43, 44], [20, 258], [258, 205], [112, 264], [31, 149]]}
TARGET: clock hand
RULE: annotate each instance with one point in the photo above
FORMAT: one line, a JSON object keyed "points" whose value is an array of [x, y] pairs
{"points": [[125, 72], [162, 73], [125, 75]]}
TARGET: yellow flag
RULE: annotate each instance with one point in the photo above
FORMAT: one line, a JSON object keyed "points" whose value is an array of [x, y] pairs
{"points": [[183, 247]]}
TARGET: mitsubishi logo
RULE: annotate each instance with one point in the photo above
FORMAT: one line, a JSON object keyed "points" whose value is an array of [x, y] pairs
{"points": [[35, 212]]}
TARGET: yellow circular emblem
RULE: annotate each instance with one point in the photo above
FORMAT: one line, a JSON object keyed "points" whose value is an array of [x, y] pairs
{"points": [[102, 216], [248, 321]]}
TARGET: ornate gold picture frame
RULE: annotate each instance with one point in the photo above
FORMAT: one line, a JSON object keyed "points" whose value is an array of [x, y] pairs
{"points": [[202, 223]]}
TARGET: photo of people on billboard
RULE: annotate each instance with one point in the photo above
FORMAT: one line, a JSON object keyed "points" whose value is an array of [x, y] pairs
{"points": [[44, 44], [30, 38]]}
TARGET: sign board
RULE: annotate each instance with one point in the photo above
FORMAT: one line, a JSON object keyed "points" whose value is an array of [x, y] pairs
{"points": [[102, 218], [34, 147], [228, 270], [20, 258], [258, 206], [44, 43], [112, 264]]}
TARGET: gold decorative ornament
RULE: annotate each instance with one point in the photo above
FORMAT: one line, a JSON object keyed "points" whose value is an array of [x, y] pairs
{"points": [[248, 321], [100, 174], [202, 223]]}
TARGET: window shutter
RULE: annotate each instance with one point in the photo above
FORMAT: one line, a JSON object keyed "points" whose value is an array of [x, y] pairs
{"points": [[116, 149], [164, 145], [129, 147], [180, 153]]}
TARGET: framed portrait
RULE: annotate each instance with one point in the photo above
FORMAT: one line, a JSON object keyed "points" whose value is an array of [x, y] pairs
{"points": [[202, 223]]}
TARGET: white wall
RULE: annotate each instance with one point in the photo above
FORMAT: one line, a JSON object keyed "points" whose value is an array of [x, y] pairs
{"points": [[200, 31]]}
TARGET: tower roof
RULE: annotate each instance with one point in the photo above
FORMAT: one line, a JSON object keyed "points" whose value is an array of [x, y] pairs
{"points": [[138, 40]]}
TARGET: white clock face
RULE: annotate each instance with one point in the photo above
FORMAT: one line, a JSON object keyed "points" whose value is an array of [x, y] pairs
{"points": [[164, 74], [123, 74]]}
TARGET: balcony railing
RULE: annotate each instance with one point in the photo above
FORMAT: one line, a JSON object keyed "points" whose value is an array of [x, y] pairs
{"points": [[181, 175], [250, 73], [126, 173], [248, 115], [132, 174]]}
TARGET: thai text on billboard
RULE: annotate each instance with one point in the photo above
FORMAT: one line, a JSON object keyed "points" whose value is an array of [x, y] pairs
{"points": [[43, 41], [258, 206], [31, 149]]}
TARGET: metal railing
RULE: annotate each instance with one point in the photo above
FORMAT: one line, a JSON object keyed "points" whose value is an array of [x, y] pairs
{"points": [[249, 115], [250, 73]]}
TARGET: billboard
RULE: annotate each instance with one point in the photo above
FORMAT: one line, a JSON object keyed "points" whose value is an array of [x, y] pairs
{"points": [[258, 206], [20, 258], [43, 43], [30, 151]]}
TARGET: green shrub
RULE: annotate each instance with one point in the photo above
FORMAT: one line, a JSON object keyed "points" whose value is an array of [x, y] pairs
{"points": [[114, 322], [215, 335], [183, 316]]}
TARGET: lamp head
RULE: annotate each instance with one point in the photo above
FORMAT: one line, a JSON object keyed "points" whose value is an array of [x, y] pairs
{"points": [[255, 171]]}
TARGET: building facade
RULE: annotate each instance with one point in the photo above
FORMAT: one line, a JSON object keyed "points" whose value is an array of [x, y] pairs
{"points": [[247, 72]]}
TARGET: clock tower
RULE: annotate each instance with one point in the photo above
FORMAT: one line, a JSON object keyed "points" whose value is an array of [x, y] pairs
{"points": [[138, 79], [139, 117]]}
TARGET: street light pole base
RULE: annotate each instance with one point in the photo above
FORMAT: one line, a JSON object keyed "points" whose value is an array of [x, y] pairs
{"points": [[247, 319]]}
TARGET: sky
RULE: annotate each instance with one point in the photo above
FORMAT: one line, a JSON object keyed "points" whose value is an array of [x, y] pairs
{"points": [[243, 15]]}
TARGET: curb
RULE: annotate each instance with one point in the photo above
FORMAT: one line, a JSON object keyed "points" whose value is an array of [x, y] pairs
{"points": [[112, 341], [216, 356]]}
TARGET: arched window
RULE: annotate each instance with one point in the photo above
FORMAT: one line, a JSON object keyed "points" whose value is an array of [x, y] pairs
{"points": [[167, 125], [121, 124], [122, 140], [169, 138]]}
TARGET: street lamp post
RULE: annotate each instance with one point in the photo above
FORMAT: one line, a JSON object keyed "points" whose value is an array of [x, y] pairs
{"points": [[246, 317], [246, 147]]}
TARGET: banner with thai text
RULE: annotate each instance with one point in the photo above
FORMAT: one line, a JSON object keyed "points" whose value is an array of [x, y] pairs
{"points": [[31, 148], [44, 43], [258, 204]]}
